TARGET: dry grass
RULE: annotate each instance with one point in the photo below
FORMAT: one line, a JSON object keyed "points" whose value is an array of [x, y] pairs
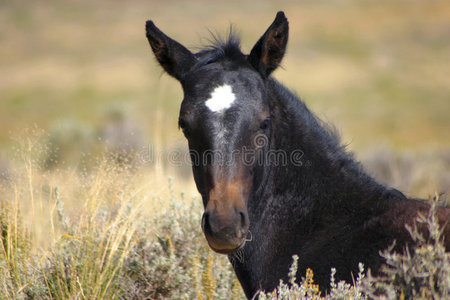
{"points": [[115, 231]]}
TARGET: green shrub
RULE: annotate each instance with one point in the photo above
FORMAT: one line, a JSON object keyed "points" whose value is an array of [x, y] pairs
{"points": [[422, 272], [98, 235], [172, 259]]}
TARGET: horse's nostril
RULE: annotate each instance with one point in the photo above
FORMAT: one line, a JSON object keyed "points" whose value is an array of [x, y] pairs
{"points": [[205, 223], [243, 219]]}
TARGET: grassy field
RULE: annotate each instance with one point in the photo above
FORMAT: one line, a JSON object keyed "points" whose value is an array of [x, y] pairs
{"points": [[83, 70], [88, 121], [378, 70]]}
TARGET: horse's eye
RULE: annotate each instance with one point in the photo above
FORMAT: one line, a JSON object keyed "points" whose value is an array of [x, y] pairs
{"points": [[265, 124]]}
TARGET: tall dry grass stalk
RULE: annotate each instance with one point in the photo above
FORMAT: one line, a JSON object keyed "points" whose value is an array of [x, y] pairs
{"points": [[114, 231], [89, 253], [77, 252]]}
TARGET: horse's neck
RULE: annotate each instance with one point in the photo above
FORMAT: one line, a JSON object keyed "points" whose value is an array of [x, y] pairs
{"points": [[326, 177]]}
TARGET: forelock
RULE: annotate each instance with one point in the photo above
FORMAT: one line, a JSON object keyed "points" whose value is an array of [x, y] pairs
{"points": [[220, 49]]}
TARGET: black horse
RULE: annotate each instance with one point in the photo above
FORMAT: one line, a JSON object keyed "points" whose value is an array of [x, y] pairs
{"points": [[276, 181]]}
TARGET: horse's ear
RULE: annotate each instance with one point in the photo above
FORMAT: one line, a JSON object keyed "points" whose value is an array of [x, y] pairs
{"points": [[171, 55], [267, 53]]}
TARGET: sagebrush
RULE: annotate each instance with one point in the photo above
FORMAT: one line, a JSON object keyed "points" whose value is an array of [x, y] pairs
{"points": [[107, 233]]}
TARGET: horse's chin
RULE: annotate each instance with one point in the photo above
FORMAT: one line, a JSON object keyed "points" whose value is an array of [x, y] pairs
{"points": [[229, 251]]}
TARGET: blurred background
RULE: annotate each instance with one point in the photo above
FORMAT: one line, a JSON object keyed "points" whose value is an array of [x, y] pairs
{"points": [[81, 74]]}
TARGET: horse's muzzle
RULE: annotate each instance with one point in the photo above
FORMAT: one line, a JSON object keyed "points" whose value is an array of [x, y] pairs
{"points": [[225, 233]]}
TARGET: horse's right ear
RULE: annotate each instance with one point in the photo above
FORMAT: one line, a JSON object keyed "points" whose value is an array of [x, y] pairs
{"points": [[268, 52], [171, 55]]}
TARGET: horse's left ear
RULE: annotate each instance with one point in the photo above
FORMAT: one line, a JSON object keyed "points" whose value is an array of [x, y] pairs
{"points": [[171, 55], [267, 53]]}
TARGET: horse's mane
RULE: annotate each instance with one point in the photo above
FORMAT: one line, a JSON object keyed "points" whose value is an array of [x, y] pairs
{"points": [[314, 129]]}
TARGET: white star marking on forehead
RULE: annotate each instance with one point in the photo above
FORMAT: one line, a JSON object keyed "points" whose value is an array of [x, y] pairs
{"points": [[221, 98]]}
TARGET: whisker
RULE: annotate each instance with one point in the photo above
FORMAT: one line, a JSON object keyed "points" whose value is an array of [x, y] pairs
{"points": [[240, 255], [249, 239]]}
